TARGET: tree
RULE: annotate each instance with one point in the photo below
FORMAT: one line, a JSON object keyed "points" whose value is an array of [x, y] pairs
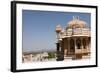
{"points": [[51, 55]]}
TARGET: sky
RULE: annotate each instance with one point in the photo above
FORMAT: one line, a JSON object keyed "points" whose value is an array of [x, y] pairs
{"points": [[38, 28]]}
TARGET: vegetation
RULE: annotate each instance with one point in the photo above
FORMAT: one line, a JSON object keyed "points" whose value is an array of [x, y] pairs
{"points": [[51, 55]]}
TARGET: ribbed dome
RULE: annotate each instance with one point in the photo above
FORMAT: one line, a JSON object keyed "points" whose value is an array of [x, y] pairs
{"points": [[76, 23]]}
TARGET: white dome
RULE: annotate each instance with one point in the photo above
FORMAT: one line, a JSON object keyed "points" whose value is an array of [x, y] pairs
{"points": [[76, 23]]}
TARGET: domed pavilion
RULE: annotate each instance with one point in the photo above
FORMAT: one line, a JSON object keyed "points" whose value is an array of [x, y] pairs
{"points": [[75, 39]]}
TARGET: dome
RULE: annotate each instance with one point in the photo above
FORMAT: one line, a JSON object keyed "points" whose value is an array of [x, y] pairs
{"points": [[76, 23], [58, 28]]}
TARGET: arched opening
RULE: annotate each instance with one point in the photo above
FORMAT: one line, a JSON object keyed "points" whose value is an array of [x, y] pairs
{"points": [[72, 46], [78, 43], [84, 43]]}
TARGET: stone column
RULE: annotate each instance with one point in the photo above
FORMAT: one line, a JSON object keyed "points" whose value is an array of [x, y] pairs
{"points": [[66, 47], [87, 45], [75, 44], [74, 56], [60, 55], [82, 43]]}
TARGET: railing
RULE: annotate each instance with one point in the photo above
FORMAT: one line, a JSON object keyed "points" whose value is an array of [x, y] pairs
{"points": [[78, 31]]}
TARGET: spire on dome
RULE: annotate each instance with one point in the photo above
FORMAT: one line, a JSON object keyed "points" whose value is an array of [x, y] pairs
{"points": [[75, 17]]}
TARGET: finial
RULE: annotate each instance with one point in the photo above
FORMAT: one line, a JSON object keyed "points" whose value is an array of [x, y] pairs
{"points": [[75, 17], [58, 28]]}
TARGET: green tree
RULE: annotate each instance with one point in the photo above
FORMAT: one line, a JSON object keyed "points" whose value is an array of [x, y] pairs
{"points": [[51, 55]]}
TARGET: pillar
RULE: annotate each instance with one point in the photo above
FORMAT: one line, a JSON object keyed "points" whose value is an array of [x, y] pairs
{"points": [[74, 56], [75, 44], [60, 55], [65, 43], [87, 45], [82, 43], [87, 42]]}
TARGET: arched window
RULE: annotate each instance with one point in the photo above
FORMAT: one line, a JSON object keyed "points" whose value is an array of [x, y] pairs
{"points": [[78, 43], [84, 43]]}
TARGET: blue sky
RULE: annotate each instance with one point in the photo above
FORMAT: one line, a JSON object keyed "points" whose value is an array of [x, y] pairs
{"points": [[38, 28]]}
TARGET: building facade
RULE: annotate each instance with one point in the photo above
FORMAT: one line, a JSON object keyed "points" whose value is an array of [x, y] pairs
{"points": [[75, 40]]}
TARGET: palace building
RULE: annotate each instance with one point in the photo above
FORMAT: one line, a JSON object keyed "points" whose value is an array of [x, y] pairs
{"points": [[75, 40]]}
